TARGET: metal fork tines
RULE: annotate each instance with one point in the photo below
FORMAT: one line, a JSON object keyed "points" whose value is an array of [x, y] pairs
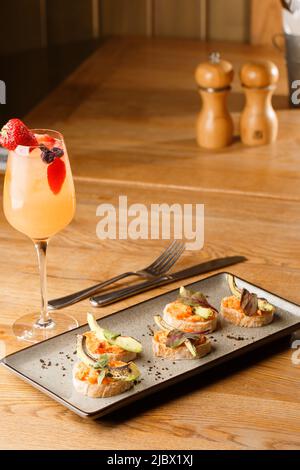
{"points": [[164, 262], [159, 267]]}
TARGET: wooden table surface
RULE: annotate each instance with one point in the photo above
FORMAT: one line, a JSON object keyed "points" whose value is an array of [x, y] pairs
{"points": [[128, 116]]}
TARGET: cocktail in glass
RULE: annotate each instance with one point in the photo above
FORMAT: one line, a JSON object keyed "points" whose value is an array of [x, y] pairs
{"points": [[39, 201]]}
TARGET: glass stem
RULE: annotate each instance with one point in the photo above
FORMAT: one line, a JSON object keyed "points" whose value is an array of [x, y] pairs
{"points": [[41, 249]]}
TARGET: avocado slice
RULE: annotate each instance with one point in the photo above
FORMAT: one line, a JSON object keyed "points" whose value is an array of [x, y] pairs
{"points": [[99, 332], [265, 306], [125, 342], [183, 292], [233, 287], [188, 344], [88, 361], [128, 372], [203, 312], [134, 372], [128, 343]]}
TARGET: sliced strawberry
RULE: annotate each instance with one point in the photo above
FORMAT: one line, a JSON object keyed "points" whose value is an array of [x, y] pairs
{"points": [[46, 140], [15, 133], [56, 173]]}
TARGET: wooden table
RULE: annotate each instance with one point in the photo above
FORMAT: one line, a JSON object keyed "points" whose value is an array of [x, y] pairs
{"points": [[128, 116]]}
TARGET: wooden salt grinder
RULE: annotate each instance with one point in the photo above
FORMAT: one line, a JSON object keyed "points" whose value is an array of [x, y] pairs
{"points": [[258, 123], [214, 125]]}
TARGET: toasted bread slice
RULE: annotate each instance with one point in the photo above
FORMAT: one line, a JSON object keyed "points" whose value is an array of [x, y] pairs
{"points": [[160, 349], [239, 318], [204, 325], [95, 390], [115, 353]]}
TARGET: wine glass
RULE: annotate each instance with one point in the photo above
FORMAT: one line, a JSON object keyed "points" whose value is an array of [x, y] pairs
{"points": [[39, 201]]}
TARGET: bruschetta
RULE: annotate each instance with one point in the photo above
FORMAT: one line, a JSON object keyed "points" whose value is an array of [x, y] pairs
{"points": [[175, 344], [103, 377], [245, 309], [100, 341], [191, 313]]}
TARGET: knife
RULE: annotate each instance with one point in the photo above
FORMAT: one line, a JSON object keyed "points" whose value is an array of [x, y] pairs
{"points": [[115, 296]]}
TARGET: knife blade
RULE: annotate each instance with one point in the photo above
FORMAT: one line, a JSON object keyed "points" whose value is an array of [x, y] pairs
{"points": [[120, 294]]}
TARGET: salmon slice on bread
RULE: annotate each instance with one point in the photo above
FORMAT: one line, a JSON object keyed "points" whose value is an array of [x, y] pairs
{"points": [[176, 345], [101, 377], [100, 341], [85, 381], [246, 309], [115, 353], [191, 312]]}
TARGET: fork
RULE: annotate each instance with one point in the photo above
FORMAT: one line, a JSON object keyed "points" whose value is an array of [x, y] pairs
{"points": [[159, 267]]}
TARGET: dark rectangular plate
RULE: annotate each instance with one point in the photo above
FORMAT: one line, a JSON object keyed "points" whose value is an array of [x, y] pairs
{"points": [[48, 365]]}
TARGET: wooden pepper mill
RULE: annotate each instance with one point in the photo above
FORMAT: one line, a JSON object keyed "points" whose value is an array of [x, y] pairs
{"points": [[259, 124], [214, 124]]}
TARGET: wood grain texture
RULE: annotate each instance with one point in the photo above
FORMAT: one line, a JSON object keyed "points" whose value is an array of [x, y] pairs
{"points": [[266, 20], [136, 103], [128, 119], [228, 20], [216, 19], [265, 381], [177, 18], [122, 17]]}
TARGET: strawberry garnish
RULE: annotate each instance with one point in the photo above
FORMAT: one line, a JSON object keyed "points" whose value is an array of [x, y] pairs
{"points": [[15, 133], [56, 173], [46, 140]]}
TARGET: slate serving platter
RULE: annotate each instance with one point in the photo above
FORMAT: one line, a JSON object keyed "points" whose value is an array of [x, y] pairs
{"points": [[48, 365]]}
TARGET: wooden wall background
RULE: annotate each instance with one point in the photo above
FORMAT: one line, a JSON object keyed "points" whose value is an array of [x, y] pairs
{"points": [[254, 21], [205, 19], [42, 23], [50, 38]]}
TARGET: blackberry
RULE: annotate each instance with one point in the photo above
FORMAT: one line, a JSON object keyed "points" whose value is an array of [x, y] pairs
{"points": [[58, 152], [47, 156]]}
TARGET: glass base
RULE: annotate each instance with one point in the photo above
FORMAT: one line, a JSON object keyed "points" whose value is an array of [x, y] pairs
{"points": [[28, 328]]}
